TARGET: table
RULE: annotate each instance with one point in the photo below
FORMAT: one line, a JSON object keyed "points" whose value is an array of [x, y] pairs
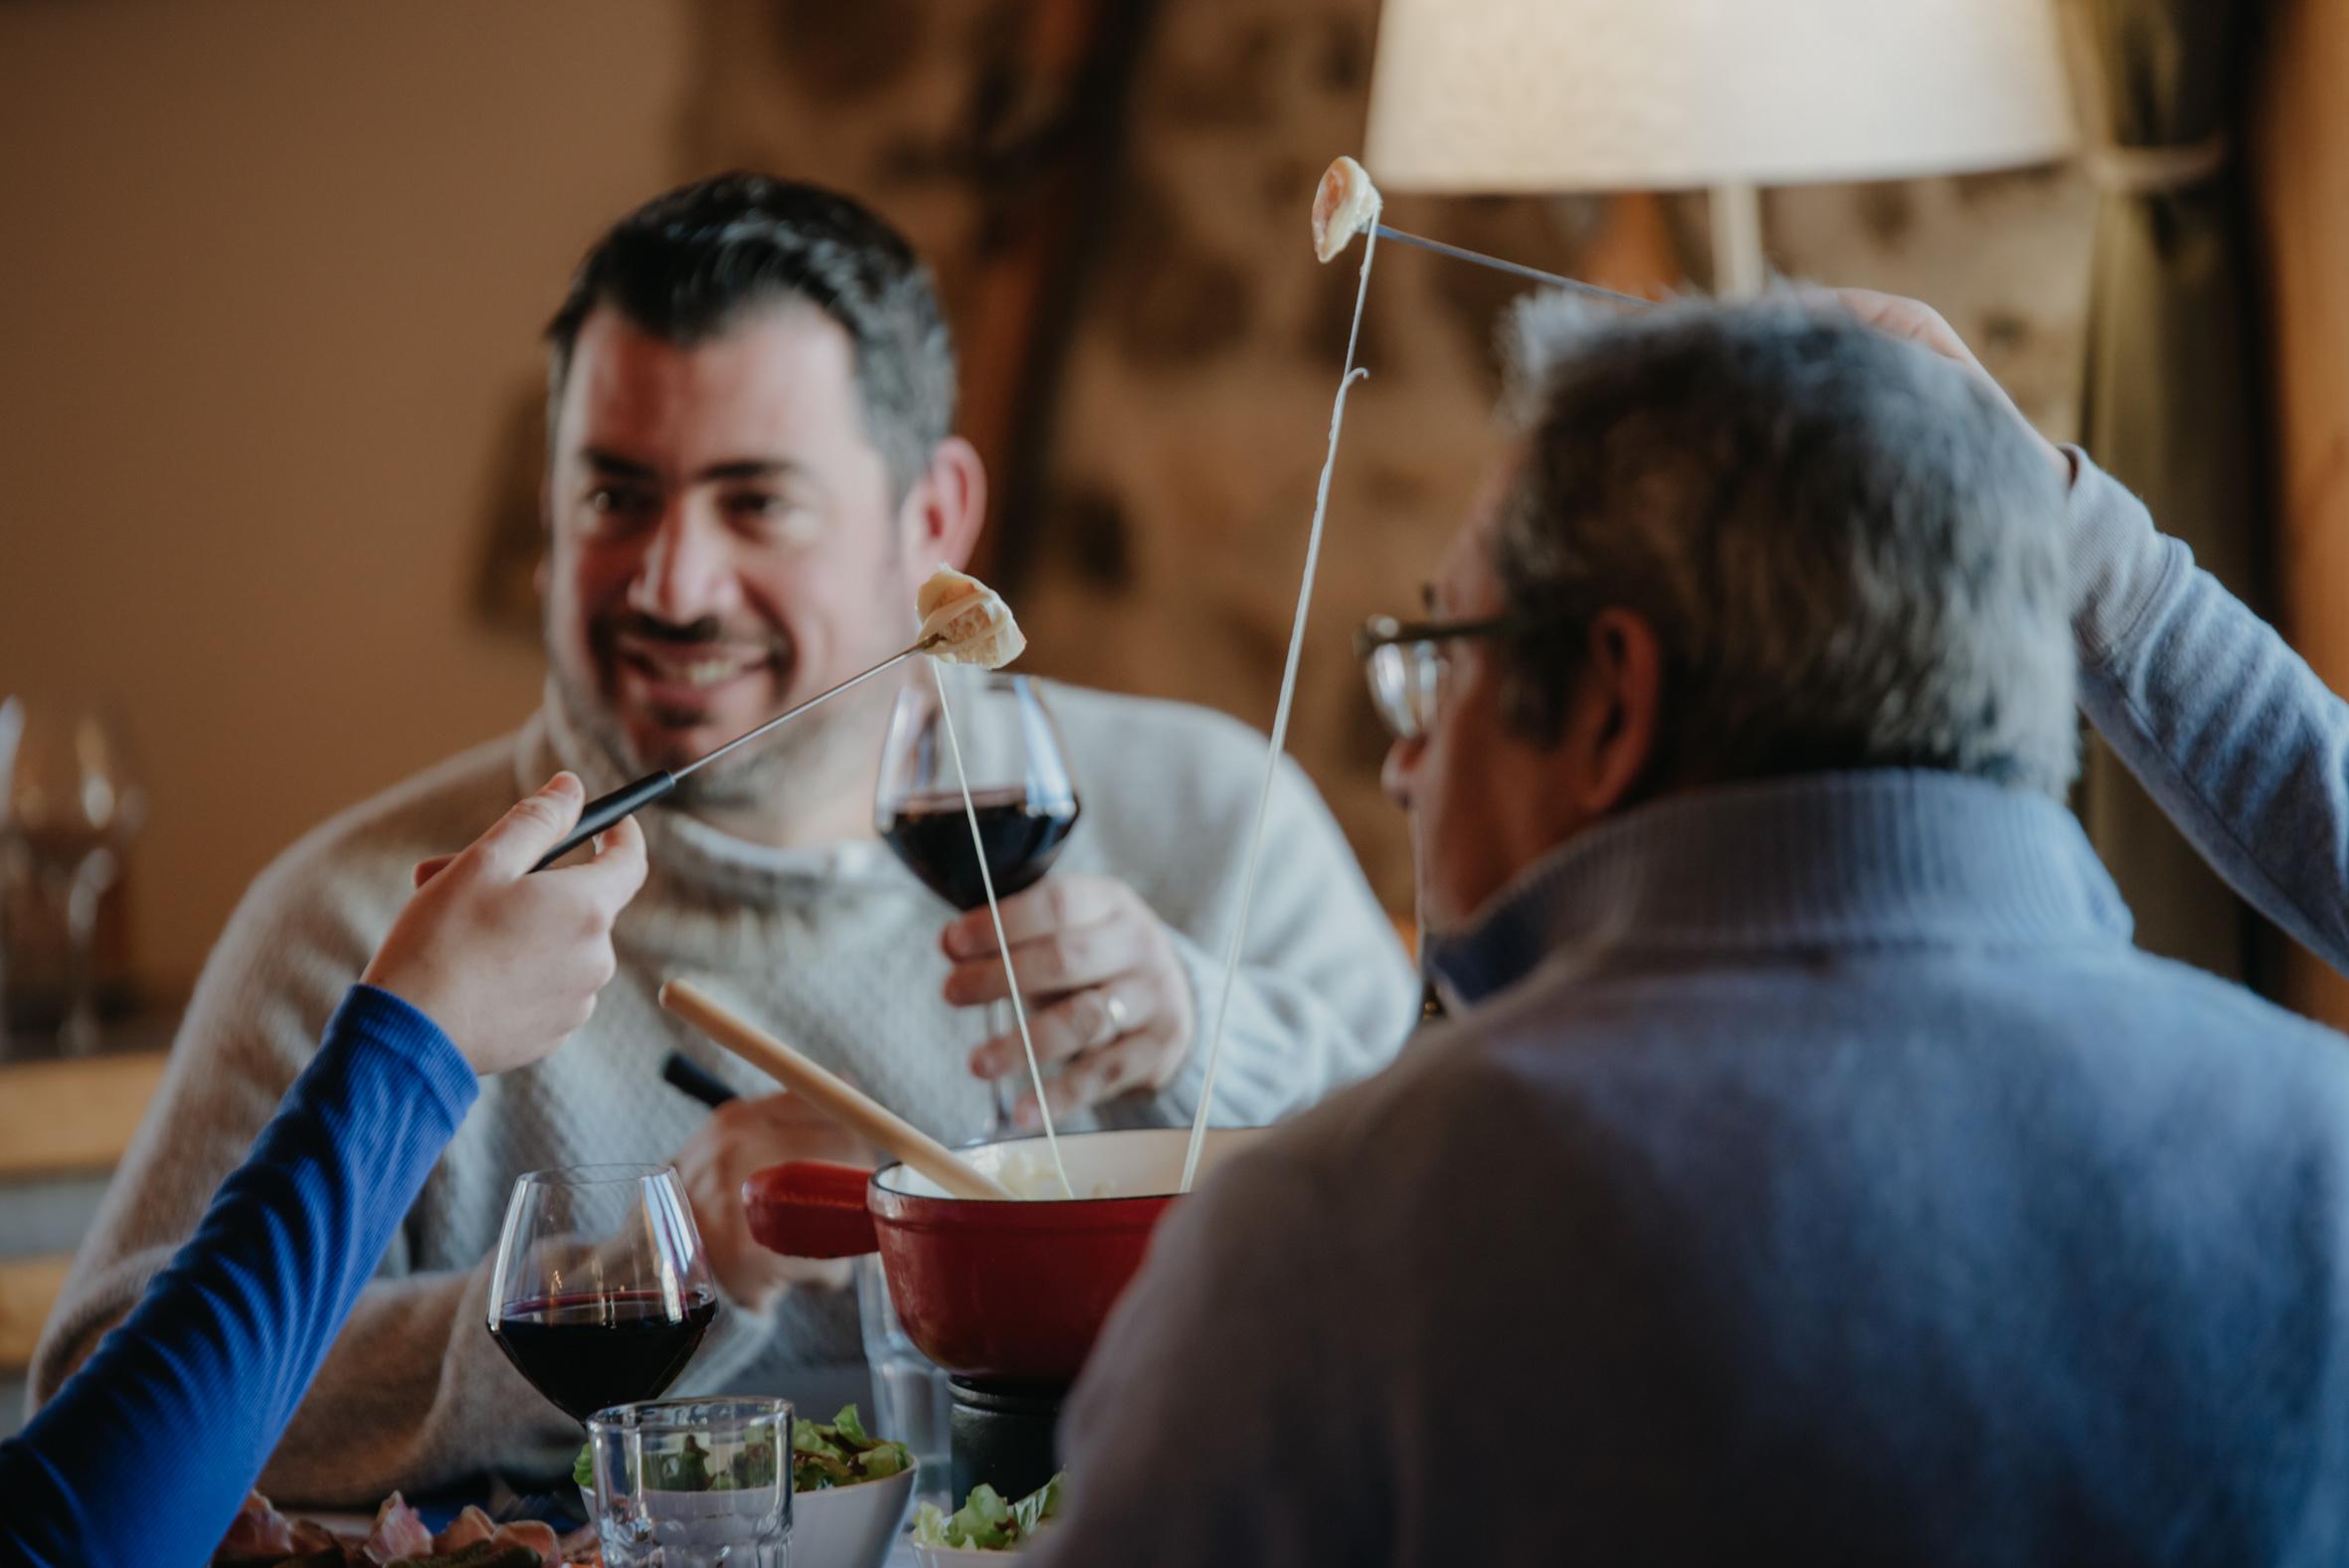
{"points": [[901, 1556]]}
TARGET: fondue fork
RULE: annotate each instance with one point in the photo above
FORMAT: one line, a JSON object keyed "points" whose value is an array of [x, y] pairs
{"points": [[1518, 268], [635, 795], [687, 1076]]}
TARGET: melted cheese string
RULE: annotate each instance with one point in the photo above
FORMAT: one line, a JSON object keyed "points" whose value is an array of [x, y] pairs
{"points": [[986, 880], [1280, 720]]}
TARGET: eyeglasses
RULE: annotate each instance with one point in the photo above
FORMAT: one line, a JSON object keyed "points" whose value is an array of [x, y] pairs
{"points": [[1404, 661]]}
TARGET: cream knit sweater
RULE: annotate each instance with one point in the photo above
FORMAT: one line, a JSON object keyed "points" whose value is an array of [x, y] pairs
{"points": [[836, 949]]}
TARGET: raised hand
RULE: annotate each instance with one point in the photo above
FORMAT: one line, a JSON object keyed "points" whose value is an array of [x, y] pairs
{"points": [[1914, 321], [508, 963]]}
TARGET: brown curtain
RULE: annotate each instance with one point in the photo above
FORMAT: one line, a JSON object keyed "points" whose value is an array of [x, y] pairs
{"points": [[2169, 405], [2299, 166]]}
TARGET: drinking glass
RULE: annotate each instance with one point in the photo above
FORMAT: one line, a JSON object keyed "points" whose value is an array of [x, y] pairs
{"points": [[910, 1399], [602, 1292], [655, 1463], [72, 804], [1019, 790]]}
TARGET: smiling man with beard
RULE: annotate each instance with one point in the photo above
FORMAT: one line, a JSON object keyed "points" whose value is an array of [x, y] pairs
{"points": [[752, 468]]}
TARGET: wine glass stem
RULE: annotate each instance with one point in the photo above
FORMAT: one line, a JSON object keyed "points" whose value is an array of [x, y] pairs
{"points": [[7, 996], [79, 1036]]}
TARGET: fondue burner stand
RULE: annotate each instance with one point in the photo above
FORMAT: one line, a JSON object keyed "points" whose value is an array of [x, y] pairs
{"points": [[1001, 1434]]}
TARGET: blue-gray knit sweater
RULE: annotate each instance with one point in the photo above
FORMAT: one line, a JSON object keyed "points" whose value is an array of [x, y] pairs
{"points": [[1815, 1173]]}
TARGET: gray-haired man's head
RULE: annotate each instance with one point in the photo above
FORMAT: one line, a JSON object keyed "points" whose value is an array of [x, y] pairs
{"points": [[1734, 543], [1850, 551]]}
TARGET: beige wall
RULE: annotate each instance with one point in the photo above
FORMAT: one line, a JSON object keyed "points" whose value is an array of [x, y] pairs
{"points": [[269, 280]]}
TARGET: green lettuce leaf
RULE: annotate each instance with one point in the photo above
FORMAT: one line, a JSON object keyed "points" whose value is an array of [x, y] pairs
{"points": [[986, 1523]]}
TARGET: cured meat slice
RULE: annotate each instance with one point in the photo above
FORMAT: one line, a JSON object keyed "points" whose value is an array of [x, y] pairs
{"points": [[257, 1530], [398, 1533], [468, 1530]]}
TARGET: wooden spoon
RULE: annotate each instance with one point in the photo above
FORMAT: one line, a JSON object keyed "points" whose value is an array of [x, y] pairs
{"points": [[854, 1109]]}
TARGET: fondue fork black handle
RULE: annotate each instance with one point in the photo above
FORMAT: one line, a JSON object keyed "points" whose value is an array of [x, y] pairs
{"points": [[682, 1072], [606, 810]]}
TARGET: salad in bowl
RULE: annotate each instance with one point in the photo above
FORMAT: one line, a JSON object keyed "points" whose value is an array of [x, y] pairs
{"points": [[984, 1527]]}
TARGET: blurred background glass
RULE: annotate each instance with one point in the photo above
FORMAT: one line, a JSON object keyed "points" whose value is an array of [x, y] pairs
{"points": [[71, 803]]}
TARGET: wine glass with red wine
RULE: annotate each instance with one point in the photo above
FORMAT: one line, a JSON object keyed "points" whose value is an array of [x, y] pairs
{"points": [[1019, 790], [602, 1292]]}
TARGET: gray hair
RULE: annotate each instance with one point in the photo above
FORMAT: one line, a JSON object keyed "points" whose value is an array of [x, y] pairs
{"points": [[1849, 549]]}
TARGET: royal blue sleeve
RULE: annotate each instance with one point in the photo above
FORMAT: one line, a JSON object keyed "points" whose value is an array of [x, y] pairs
{"points": [[148, 1451]]}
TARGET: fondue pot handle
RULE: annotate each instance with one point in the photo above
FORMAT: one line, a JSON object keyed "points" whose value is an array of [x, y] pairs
{"points": [[810, 1208]]}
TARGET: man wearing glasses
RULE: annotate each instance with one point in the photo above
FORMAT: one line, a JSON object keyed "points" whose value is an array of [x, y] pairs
{"points": [[1810, 1169]]}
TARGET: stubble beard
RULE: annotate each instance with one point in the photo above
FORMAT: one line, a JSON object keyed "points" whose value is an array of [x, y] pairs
{"points": [[787, 775]]}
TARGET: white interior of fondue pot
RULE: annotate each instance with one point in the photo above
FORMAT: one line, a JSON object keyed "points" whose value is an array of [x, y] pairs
{"points": [[1138, 1163]]}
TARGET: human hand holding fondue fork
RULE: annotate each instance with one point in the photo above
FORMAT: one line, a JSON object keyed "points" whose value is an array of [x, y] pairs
{"points": [[1109, 1003]]}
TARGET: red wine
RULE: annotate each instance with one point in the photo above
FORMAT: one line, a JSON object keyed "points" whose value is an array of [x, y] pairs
{"points": [[1022, 837], [585, 1352]]}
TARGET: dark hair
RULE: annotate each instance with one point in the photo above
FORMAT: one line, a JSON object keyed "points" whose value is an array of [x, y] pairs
{"points": [[685, 266]]}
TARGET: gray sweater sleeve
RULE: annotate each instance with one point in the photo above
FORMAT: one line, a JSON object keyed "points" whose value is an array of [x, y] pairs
{"points": [[2226, 728], [1325, 994]]}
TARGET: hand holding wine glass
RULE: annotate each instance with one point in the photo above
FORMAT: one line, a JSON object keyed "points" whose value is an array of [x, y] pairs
{"points": [[1020, 794], [1109, 1004]]}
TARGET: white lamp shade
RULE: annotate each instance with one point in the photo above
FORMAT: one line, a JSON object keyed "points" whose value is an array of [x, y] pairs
{"points": [[1555, 95]]}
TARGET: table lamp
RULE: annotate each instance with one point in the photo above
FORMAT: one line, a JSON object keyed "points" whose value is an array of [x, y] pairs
{"points": [[1549, 96]]}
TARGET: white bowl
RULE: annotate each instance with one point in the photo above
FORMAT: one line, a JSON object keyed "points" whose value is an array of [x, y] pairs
{"points": [[843, 1527], [850, 1526]]}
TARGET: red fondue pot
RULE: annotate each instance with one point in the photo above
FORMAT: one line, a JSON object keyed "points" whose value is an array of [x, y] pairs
{"points": [[988, 1289]]}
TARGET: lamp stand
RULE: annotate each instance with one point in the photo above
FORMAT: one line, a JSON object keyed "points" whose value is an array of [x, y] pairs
{"points": [[1738, 270]]}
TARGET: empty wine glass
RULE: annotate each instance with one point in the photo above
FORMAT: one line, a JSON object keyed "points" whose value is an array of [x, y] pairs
{"points": [[1019, 790], [600, 1291], [72, 806]]}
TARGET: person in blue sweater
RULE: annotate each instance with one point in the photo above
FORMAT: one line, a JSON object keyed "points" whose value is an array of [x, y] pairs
{"points": [[148, 1451], [1810, 1169]]}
